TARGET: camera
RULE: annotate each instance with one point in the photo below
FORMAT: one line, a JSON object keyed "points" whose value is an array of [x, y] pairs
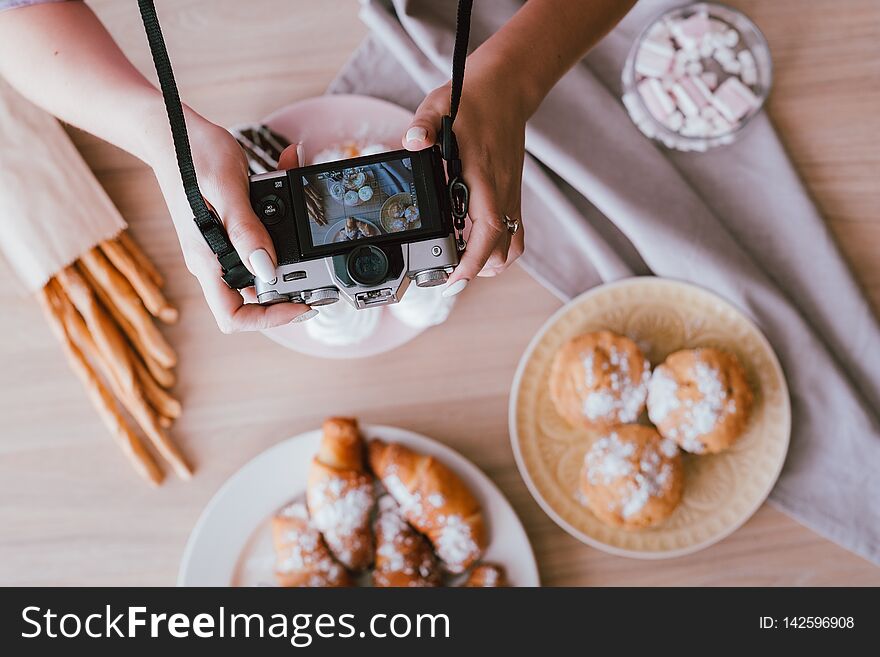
{"points": [[360, 229]]}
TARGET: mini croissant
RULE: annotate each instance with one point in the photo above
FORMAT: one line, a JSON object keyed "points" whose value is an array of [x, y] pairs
{"points": [[340, 494], [434, 501], [404, 558], [302, 558], [486, 575]]}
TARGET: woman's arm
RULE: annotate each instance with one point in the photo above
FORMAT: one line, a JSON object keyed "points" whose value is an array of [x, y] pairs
{"points": [[506, 79], [61, 58]]}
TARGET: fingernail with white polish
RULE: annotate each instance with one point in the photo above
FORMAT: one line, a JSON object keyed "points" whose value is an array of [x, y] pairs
{"points": [[263, 267], [455, 288], [306, 316], [300, 154], [416, 133]]}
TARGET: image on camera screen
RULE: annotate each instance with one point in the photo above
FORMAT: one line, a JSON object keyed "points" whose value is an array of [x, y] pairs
{"points": [[361, 202]]}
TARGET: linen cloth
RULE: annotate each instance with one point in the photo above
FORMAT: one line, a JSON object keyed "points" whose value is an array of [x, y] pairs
{"points": [[52, 208], [601, 202]]}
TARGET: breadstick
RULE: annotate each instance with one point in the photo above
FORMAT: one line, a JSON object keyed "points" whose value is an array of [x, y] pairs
{"points": [[148, 291], [101, 398], [112, 347], [165, 422], [163, 375], [144, 263], [164, 404], [122, 294]]}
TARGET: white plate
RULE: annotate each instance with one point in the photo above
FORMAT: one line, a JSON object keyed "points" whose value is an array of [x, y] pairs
{"points": [[230, 544], [321, 123]]}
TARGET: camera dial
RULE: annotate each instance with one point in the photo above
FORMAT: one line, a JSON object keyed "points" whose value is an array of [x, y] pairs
{"points": [[323, 297], [431, 278]]}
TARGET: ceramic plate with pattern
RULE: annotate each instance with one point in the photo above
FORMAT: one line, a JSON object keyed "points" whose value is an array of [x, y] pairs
{"points": [[722, 491]]}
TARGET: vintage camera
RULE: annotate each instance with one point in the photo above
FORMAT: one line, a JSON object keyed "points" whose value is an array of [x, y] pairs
{"points": [[358, 229]]}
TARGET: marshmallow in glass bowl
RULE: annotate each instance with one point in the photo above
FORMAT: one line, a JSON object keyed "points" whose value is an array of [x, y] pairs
{"points": [[422, 307]]}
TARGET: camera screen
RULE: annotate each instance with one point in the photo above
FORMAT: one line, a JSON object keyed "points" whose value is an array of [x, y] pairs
{"points": [[360, 202]]}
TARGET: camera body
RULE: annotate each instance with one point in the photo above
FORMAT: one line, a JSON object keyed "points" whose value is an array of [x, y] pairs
{"points": [[358, 229]]}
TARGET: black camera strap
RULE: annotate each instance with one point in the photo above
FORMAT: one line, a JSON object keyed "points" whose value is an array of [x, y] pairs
{"points": [[235, 274]]}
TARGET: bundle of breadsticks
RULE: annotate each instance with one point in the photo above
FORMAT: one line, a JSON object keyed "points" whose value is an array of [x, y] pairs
{"points": [[103, 309]]}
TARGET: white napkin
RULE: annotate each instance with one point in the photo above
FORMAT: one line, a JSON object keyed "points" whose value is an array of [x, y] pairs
{"points": [[600, 201], [52, 209]]}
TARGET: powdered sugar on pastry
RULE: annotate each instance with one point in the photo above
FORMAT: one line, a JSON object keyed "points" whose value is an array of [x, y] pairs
{"points": [[623, 398], [454, 542], [403, 556], [341, 512], [599, 380], [698, 415], [302, 558], [622, 473], [662, 395]]}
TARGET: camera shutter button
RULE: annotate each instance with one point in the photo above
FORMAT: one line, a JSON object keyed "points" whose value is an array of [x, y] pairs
{"points": [[431, 278], [271, 209]]}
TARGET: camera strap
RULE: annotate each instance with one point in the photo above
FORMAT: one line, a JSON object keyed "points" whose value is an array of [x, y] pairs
{"points": [[235, 274], [458, 191]]}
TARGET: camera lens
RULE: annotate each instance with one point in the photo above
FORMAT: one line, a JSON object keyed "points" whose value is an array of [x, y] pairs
{"points": [[367, 265]]}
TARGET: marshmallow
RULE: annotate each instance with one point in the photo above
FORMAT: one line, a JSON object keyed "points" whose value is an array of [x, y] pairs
{"points": [[654, 58], [734, 100], [709, 113], [657, 101], [694, 126], [731, 38], [674, 121], [693, 68], [749, 72], [688, 97], [689, 32], [717, 26], [710, 79]]}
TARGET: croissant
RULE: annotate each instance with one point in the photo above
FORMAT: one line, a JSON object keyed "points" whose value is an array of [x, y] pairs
{"points": [[434, 501], [302, 558], [486, 575], [340, 494], [403, 556]]}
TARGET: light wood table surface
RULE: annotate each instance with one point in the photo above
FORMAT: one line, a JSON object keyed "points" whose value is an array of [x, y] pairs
{"points": [[73, 512]]}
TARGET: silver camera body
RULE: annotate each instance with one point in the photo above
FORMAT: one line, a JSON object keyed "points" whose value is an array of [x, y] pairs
{"points": [[316, 282], [359, 230]]}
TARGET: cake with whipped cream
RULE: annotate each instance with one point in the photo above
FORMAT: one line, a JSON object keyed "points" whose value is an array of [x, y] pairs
{"points": [[340, 324], [422, 307]]}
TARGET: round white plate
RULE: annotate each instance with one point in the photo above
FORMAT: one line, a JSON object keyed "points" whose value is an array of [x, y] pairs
{"points": [[321, 123], [230, 544]]}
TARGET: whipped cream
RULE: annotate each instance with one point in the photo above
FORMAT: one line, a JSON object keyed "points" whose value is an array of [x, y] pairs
{"points": [[340, 324], [422, 307]]}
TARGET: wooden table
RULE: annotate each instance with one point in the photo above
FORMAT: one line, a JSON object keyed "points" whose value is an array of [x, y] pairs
{"points": [[73, 512]]}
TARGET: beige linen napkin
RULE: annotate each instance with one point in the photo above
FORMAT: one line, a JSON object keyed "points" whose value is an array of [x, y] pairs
{"points": [[601, 202], [52, 209]]}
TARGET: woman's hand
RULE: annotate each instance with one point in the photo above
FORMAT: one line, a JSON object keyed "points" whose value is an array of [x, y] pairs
{"points": [[490, 130], [223, 179]]}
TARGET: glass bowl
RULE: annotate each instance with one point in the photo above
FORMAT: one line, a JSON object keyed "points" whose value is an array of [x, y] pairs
{"points": [[748, 38]]}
